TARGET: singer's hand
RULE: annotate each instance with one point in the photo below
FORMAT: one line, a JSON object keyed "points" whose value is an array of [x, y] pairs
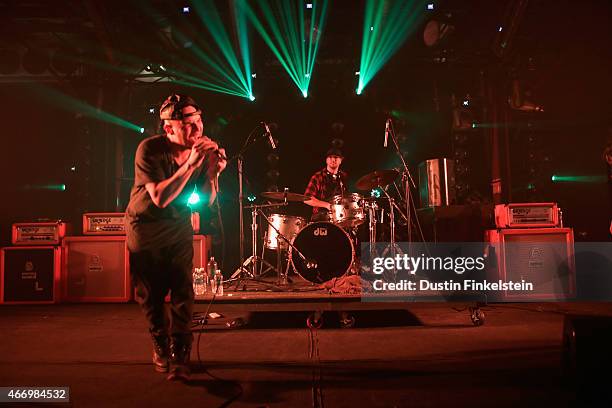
{"points": [[200, 150], [216, 164]]}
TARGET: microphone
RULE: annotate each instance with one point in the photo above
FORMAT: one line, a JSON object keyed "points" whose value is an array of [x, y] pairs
{"points": [[269, 134], [387, 129]]}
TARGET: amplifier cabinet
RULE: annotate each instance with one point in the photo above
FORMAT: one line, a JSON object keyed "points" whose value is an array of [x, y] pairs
{"points": [[30, 274], [104, 223], [527, 215], [95, 269], [542, 256], [39, 233], [201, 247]]}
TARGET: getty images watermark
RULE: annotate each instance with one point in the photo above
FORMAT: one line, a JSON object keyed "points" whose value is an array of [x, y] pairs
{"points": [[425, 264], [514, 271]]}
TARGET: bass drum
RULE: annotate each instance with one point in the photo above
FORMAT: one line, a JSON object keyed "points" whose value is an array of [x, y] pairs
{"points": [[328, 250]]}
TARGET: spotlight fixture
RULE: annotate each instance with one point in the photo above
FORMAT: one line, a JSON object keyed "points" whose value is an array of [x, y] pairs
{"points": [[151, 110], [186, 9], [308, 5], [430, 6]]}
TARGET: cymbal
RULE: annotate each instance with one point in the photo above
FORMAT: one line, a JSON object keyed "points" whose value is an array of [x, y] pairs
{"points": [[280, 196], [378, 178]]}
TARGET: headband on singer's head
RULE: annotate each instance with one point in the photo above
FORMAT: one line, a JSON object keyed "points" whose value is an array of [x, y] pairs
{"points": [[172, 108]]}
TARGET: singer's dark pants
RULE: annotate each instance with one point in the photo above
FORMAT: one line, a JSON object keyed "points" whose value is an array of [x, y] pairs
{"points": [[156, 272]]}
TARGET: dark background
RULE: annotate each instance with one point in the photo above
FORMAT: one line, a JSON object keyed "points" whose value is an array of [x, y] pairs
{"points": [[560, 52]]}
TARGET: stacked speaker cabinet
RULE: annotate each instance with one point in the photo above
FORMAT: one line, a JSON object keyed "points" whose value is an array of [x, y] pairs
{"points": [[542, 256], [30, 274], [30, 270], [95, 269]]}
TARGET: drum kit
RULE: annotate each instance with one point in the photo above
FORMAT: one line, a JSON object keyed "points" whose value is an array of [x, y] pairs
{"points": [[323, 250]]}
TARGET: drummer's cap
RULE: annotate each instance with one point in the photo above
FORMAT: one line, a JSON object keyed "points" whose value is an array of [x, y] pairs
{"points": [[172, 108], [334, 152]]}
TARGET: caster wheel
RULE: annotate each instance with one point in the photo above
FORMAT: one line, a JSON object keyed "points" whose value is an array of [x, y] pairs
{"points": [[314, 321], [477, 316], [347, 321]]}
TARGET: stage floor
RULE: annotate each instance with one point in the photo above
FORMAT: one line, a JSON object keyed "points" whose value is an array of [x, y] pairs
{"points": [[428, 354]]}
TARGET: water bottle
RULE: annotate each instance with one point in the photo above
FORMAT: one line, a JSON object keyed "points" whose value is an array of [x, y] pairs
{"points": [[211, 268], [199, 283], [218, 283]]}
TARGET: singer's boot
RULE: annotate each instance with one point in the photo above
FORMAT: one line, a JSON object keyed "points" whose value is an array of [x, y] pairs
{"points": [[161, 352], [179, 361]]}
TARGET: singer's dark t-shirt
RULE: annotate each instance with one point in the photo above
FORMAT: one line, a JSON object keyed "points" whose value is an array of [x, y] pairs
{"points": [[147, 225]]}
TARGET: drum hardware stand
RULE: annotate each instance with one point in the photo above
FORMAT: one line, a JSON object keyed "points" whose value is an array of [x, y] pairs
{"points": [[392, 245], [282, 277], [242, 273]]}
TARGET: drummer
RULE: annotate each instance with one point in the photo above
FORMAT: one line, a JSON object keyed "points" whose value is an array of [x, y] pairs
{"points": [[325, 184]]}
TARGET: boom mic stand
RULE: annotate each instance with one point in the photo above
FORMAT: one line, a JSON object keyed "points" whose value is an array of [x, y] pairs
{"points": [[408, 181], [250, 141]]}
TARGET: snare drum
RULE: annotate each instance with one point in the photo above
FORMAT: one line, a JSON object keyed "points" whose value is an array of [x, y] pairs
{"points": [[347, 210], [328, 250], [288, 225]]}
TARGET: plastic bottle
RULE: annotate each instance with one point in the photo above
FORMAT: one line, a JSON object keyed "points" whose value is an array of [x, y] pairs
{"points": [[211, 268], [218, 283], [199, 283]]}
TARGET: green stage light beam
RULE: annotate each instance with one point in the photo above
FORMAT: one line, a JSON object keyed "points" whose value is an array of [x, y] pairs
{"points": [[591, 179], [294, 44], [217, 72], [75, 105], [212, 21], [386, 25], [208, 87], [50, 187]]}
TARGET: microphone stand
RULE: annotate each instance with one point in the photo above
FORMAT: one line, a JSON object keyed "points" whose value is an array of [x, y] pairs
{"points": [[239, 157], [408, 181]]}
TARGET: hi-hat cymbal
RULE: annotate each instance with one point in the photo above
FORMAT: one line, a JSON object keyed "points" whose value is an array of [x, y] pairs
{"points": [[378, 178], [280, 196]]}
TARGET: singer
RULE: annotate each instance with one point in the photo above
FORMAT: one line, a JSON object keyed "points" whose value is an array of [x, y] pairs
{"points": [[159, 234], [325, 184]]}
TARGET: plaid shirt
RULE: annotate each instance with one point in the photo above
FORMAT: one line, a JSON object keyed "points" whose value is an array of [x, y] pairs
{"points": [[323, 186]]}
